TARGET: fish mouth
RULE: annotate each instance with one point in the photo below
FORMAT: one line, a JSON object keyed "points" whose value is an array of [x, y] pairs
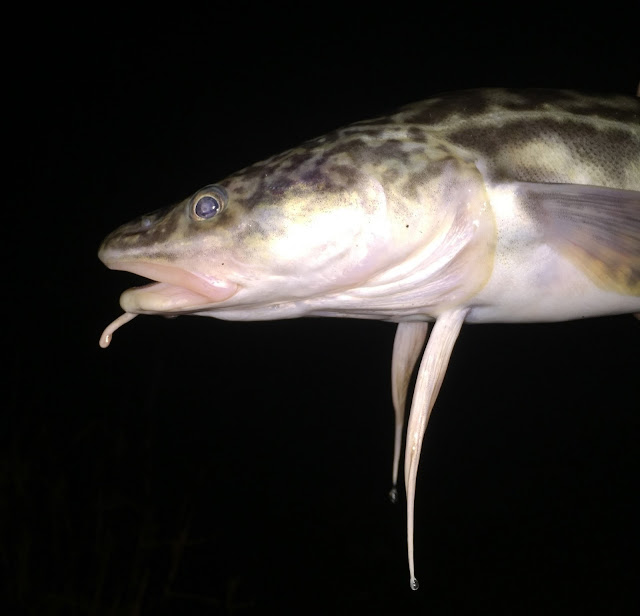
{"points": [[174, 290]]}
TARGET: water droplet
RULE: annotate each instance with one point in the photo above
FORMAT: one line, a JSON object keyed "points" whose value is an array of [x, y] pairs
{"points": [[393, 495], [414, 584]]}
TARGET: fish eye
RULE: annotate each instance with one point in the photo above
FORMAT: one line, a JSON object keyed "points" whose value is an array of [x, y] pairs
{"points": [[208, 202]]}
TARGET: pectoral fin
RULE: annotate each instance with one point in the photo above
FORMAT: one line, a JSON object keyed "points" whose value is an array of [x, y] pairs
{"points": [[430, 375], [596, 228], [407, 345]]}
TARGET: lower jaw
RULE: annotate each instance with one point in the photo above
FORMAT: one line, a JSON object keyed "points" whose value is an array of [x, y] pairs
{"points": [[162, 297]]}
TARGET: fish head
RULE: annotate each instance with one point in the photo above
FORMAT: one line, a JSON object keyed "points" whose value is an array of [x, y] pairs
{"points": [[339, 226]]}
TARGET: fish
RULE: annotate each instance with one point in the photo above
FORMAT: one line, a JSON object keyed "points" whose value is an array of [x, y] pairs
{"points": [[479, 206]]}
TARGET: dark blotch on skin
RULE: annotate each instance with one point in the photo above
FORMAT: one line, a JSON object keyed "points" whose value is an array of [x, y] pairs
{"points": [[391, 149], [350, 146], [417, 134], [314, 178]]}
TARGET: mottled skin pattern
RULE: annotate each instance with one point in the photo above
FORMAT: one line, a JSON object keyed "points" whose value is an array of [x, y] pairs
{"points": [[477, 206]]}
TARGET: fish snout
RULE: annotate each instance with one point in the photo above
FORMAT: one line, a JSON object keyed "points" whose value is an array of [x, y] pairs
{"points": [[138, 234]]}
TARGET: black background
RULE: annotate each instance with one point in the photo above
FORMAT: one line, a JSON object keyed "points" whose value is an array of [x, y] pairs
{"points": [[204, 467]]}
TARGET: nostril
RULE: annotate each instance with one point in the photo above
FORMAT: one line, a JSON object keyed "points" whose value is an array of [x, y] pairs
{"points": [[135, 227]]}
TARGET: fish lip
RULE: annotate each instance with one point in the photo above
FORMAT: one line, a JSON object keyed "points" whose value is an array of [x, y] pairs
{"points": [[204, 290]]}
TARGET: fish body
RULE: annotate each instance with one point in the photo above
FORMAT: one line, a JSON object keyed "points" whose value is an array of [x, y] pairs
{"points": [[478, 206]]}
